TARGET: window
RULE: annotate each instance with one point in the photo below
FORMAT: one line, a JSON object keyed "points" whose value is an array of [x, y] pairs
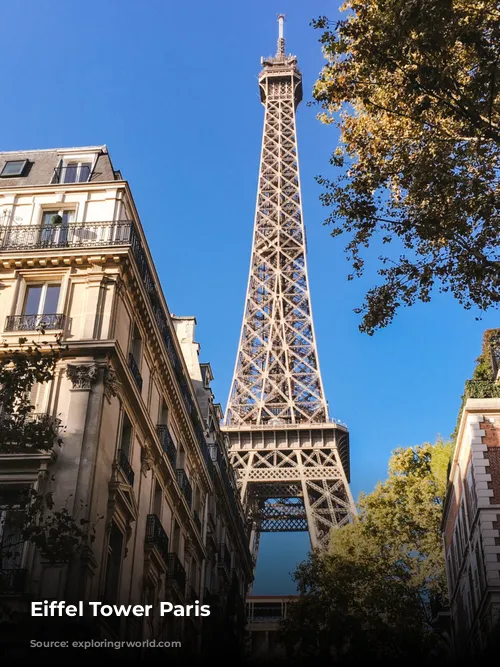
{"points": [[136, 347], [13, 168], [134, 357], [54, 229], [38, 310], [157, 500], [126, 437], [125, 450], [36, 397], [73, 172], [41, 299], [59, 217], [176, 538], [114, 563], [163, 413], [181, 456]]}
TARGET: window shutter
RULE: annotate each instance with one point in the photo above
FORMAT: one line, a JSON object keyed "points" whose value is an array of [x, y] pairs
{"points": [[36, 396]]}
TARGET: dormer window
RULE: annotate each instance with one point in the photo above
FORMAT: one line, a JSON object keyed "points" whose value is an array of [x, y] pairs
{"points": [[73, 172], [13, 168], [206, 375]]}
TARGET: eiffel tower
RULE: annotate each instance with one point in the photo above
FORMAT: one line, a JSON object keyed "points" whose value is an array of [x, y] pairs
{"points": [[291, 459]]}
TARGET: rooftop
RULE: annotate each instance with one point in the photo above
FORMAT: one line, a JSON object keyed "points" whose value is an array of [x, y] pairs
{"points": [[48, 166]]}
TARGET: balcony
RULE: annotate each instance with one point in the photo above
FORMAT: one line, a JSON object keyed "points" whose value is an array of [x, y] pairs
{"points": [[134, 369], [176, 573], [184, 485], [125, 467], [167, 444], [71, 235], [45, 322], [197, 520], [156, 536], [21, 432], [12, 580]]}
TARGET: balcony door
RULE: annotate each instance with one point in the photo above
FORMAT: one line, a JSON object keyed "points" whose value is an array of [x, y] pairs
{"points": [[40, 307], [55, 227]]}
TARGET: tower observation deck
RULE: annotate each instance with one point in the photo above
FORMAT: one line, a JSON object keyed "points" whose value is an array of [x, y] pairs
{"points": [[291, 459]]}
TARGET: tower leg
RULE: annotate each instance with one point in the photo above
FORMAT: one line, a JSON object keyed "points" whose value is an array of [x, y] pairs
{"points": [[313, 535]]}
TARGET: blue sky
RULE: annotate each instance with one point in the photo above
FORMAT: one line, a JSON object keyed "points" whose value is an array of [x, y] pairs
{"points": [[171, 89]]}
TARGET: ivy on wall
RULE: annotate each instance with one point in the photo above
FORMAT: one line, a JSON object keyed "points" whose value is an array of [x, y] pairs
{"points": [[484, 382]]}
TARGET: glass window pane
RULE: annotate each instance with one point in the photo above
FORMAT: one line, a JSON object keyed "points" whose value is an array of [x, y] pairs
{"points": [[32, 299], [13, 168], [67, 217], [70, 173], [126, 439], [84, 172], [51, 299], [47, 217]]}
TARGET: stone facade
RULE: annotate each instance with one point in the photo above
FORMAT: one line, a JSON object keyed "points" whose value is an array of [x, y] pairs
{"points": [[471, 523], [141, 454]]}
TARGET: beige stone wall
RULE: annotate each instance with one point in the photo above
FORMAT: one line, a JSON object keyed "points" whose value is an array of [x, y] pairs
{"points": [[471, 522]]}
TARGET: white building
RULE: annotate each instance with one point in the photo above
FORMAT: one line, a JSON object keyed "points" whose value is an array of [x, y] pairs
{"points": [[142, 457]]}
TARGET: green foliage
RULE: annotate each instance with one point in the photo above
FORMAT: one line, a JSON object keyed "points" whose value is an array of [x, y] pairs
{"points": [[415, 90], [55, 532], [483, 383], [375, 593], [33, 517], [20, 369]]}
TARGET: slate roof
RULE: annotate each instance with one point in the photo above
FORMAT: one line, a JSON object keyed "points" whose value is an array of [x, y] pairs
{"points": [[42, 163]]}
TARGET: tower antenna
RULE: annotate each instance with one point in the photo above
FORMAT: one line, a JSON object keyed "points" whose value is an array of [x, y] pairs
{"points": [[281, 37]]}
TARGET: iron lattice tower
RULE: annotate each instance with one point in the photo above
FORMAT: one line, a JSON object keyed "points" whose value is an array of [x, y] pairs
{"points": [[291, 460]]}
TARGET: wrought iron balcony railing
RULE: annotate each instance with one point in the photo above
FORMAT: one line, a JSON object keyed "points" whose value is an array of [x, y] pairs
{"points": [[167, 443], [134, 369], [197, 520], [156, 535], [125, 466], [45, 322], [33, 432], [69, 235], [12, 580], [176, 572], [184, 485], [265, 613]]}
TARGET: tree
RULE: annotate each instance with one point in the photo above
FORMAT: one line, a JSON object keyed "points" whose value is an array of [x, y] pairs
{"points": [[376, 592], [414, 87], [31, 514]]}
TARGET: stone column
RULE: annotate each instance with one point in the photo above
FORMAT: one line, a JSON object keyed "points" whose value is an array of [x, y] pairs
{"points": [[79, 452], [72, 457]]}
